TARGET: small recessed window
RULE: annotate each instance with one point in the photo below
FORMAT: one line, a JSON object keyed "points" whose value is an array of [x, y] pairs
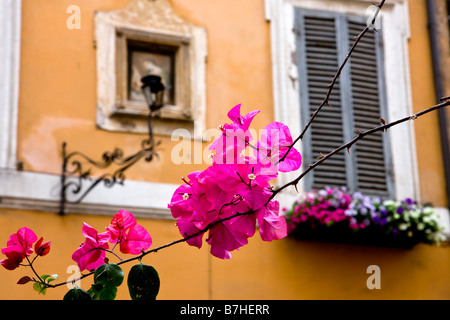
{"points": [[134, 42], [150, 59]]}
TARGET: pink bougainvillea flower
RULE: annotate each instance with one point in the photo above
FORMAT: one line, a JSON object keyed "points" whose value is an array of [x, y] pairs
{"points": [[245, 180], [42, 249], [224, 239], [228, 147], [274, 144], [189, 229], [180, 205], [13, 261], [221, 237], [136, 240], [191, 200], [19, 246], [133, 238], [234, 138], [122, 221], [235, 177], [91, 254], [228, 198], [271, 225], [239, 121], [24, 237]]}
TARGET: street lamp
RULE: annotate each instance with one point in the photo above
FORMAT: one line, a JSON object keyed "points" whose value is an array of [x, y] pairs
{"points": [[153, 90]]}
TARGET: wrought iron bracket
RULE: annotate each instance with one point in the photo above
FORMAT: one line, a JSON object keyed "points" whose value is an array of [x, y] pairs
{"points": [[72, 166], [74, 176]]}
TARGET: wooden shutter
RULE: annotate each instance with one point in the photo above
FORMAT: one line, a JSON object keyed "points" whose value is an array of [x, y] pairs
{"points": [[321, 55], [366, 88], [323, 40]]}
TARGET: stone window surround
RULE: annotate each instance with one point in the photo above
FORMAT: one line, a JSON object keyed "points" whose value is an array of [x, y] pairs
{"points": [[149, 21]]}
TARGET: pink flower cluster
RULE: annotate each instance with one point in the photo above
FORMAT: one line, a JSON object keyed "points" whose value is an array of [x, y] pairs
{"points": [[322, 207], [20, 246], [232, 195], [123, 230]]}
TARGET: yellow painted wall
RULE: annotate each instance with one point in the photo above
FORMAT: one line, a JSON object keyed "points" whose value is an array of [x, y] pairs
{"points": [[183, 272], [57, 103], [58, 80], [428, 146], [284, 269]]}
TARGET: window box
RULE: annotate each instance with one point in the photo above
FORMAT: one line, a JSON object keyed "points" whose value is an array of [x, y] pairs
{"points": [[333, 215]]}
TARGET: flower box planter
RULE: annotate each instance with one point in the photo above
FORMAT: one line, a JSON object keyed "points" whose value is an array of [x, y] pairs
{"points": [[334, 215], [369, 237]]}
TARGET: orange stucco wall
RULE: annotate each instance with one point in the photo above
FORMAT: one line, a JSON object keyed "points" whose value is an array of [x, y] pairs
{"points": [[58, 80], [57, 103], [284, 269], [428, 147]]}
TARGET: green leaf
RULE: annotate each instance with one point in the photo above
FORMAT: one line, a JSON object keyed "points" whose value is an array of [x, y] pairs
{"points": [[49, 278], [40, 288], [109, 274], [143, 282], [94, 291], [102, 292], [108, 292], [77, 294]]}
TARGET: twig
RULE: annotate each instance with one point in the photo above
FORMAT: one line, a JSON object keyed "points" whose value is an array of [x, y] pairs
{"points": [[30, 264]]}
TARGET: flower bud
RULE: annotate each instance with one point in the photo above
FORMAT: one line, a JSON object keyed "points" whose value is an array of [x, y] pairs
{"points": [[42, 249]]}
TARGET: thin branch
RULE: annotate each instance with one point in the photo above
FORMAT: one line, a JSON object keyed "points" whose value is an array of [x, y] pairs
{"points": [[30, 264]]}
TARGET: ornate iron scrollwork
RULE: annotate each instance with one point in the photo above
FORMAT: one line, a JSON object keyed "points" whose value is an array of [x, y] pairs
{"points": [[73, 168], [153, 91]]}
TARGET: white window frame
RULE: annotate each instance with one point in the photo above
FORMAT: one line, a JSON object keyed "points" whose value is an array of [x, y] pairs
{"points": [[280, 14], [10, 28]]}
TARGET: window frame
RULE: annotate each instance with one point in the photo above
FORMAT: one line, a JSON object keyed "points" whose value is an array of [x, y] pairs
{"points": [[179, 43], [10, 31], [287, 104]]}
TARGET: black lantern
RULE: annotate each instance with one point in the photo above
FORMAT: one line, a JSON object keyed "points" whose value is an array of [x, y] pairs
{"points": [[153, 90]]}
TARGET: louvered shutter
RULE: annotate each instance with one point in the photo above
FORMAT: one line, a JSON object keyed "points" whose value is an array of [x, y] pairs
{"points": [[327, 129], [323, 40], [372, 159]]}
